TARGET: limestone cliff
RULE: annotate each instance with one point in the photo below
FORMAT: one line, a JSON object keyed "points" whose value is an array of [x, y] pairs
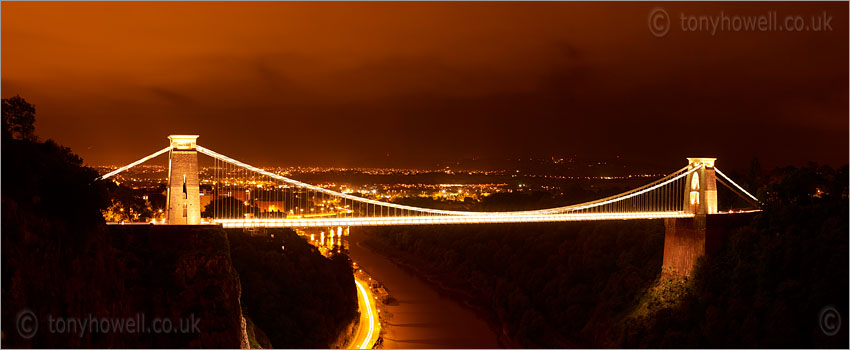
{"points": [[183, 273]]}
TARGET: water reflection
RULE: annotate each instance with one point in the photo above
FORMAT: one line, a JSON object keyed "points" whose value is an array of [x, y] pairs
{"points": [[328, 241]]}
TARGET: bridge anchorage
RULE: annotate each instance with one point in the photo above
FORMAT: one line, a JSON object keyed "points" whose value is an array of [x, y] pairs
{"points": [[234, 194]]}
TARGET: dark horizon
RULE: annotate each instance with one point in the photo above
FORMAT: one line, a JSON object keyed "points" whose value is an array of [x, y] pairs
{"points": [[413, 84]]}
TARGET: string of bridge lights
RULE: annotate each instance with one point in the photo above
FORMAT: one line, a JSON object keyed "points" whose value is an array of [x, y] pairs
{"points": [[659, 199]]}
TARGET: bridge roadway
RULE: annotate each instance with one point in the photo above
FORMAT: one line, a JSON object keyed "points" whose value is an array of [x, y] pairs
{"points": [[435, 220]]}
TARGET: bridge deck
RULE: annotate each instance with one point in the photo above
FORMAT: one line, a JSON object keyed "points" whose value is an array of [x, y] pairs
{"points": [[432, 220]]}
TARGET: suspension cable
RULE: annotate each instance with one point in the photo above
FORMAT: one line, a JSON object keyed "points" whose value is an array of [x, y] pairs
{"points": [[736, 185], [140, 161]]}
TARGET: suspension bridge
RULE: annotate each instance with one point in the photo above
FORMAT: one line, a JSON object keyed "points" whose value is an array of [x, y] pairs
{"points": [[240, 195]]}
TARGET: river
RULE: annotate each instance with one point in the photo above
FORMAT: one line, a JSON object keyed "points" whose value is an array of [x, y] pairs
{"points": [[423, 318]]}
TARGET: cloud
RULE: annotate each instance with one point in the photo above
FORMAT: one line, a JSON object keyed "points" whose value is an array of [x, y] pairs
{"points": [[427, 81], [171, 97]]}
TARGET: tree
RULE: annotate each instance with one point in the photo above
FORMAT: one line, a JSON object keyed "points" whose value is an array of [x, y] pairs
{"points": [[127, 204], [18, 118]]}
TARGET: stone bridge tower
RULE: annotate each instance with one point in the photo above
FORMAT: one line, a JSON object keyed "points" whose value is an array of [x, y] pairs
{"points": [[183, 199], [686, 239], [701, 192]]}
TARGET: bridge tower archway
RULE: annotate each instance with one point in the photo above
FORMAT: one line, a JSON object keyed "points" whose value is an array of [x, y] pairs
{"points": [[701, 192]]}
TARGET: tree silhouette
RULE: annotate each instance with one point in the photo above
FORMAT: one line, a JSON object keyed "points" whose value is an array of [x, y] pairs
{"points": [[18, 118]]}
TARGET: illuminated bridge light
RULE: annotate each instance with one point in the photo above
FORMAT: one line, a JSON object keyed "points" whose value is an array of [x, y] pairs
{"points": [[419, 220]]}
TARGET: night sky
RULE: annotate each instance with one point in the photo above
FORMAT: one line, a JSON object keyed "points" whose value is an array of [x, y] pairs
{"points": [[348, 84]]}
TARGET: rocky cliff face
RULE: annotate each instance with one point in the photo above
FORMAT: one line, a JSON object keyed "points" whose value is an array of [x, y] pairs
{"points": [[176, 283], [182, 273], [53, 269], [296, 296]]}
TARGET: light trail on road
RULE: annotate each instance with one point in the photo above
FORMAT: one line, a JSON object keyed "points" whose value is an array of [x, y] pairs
{"points": [[365, 344]]}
